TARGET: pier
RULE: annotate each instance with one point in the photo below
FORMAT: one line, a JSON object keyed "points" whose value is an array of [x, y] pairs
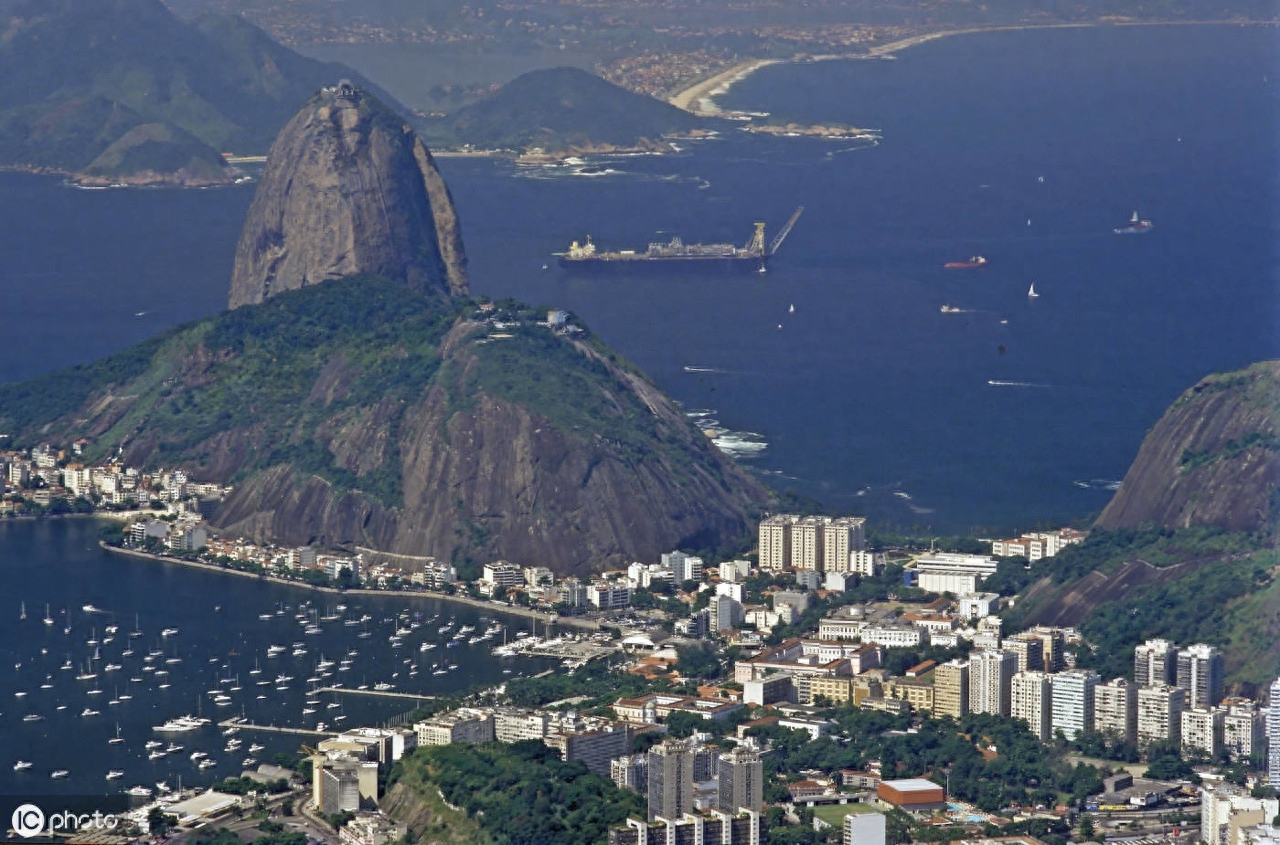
{"points": [[250, 726], [385, 693]]}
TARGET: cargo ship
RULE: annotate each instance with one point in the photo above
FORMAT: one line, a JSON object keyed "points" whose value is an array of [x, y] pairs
{"points": [[1135, 226], [973, 262], [753, 256]]}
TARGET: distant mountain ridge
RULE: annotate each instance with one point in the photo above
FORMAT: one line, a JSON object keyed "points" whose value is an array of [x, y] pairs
{"points": [[561, 109], [124, 91]]}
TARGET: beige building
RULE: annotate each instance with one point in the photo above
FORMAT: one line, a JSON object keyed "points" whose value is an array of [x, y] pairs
{"points": [[840, 538], [1202, 729], [775, 542], [1242, 728], [1030, 699], [1028, 649], [462, 725], [1160, 713], [951, 689], [918, 692], [1115, 709]]}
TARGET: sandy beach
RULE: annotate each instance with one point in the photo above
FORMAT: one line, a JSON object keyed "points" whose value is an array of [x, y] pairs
{"points": [[699, 97]]}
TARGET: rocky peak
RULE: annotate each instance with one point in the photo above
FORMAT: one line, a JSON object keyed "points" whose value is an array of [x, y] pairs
{"points": [[348, 189], [1213, 459]]}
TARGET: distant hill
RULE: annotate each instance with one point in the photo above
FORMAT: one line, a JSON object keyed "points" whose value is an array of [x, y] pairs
{"points": [[124, 91], [1213, 459], [561, 109]]}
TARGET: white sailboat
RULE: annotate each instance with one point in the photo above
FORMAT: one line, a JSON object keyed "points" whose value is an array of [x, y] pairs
{"points": [[48, 620], [1031, 291], [23, 614]]}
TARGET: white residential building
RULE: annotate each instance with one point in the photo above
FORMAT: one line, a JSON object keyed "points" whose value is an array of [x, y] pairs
{"points": [[1073, 702]]}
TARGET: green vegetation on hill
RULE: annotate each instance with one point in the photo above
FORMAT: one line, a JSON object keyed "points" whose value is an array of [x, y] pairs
{"points": [[560, 109], [121, 88], [520, 794], [258, 369], [1191, 585]]}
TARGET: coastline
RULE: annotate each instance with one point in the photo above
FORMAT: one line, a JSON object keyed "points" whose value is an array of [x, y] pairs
{"points": [[527, 613], [698, 98]]}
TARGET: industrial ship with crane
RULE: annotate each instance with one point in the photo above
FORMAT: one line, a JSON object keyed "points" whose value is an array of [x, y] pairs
{"points": [[753, 256]]}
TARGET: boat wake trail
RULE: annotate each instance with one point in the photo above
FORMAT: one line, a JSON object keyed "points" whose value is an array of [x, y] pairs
{"points": [[999, 383], [706, 370]]}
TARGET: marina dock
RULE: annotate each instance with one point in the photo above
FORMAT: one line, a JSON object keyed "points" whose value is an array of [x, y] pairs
{"points": [[385, 693], [250, 726]]}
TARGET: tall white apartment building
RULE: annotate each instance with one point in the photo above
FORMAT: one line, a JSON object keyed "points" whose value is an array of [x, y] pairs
{"points": [[1031, 700], [1115, 709], [1073, 704], [991, 681]]}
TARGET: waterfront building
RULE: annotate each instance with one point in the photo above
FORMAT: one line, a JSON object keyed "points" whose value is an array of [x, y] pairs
{"points": [[1031, 699], [1115, 709], [511, 725], [840, 538], [741, 781], [461, 725], [1155, 663], [990, 681], [807, 535], [1200, 673], [951, 689], [1073, 700], [503, 574], [775, 542], [1160, 713]]}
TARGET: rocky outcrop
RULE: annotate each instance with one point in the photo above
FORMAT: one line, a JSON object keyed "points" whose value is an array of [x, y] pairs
{"points": [[348, 189], [485, 478], [1212, 459]]}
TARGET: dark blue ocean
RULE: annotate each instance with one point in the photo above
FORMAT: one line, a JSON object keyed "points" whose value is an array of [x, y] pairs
{"points": [[1026, 147]]}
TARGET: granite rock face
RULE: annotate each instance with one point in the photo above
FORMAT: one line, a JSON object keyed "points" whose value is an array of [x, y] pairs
{"points": [[348, 189], [1213, 459], [485, 478]]}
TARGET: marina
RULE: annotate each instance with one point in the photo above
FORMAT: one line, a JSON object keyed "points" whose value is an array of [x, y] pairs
{"points": [[165, 712]]}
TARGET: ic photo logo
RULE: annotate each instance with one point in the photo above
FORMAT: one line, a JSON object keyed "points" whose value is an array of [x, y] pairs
{"points": [[28, 821]]}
